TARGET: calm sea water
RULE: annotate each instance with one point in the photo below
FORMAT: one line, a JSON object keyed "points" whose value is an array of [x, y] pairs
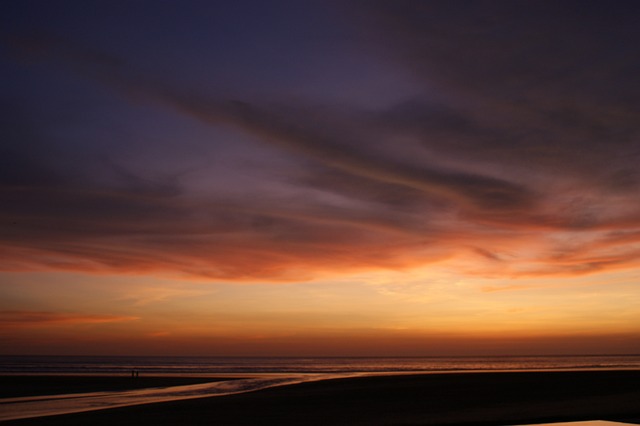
{"points": [[221, 365]]}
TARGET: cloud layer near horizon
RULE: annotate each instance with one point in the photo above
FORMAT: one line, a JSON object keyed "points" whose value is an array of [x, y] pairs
{"points": [[516, 156]]}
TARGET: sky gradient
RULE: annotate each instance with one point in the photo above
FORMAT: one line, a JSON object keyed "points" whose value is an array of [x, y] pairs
{"points": [[319, 177]]}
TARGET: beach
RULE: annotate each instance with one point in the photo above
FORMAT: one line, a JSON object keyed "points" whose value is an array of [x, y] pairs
{"points": [[34, 385], [495, 398]]}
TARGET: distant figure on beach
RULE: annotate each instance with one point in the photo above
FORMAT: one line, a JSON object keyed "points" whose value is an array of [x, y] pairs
{"points": [[134, 373]]}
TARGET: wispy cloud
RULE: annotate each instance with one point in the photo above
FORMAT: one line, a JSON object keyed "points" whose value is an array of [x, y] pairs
{"points": [[528, 138], [13, 319]]}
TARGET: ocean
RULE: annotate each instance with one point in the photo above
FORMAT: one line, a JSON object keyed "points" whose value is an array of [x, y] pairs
{"points": [[163, 365]]}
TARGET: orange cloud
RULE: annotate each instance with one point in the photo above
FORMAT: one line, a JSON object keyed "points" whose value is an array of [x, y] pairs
{"points": [[18, 319]]}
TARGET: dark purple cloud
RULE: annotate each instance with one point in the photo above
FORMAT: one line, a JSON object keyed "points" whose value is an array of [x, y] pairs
{"points": [[522, 132]]}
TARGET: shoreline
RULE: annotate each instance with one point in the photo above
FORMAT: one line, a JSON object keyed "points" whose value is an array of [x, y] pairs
{"points": [[488, 398], [32, 385]]}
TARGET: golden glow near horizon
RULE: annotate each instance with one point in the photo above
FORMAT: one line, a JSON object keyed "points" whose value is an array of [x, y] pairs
{"points": [[253, 178], [418, 312]]}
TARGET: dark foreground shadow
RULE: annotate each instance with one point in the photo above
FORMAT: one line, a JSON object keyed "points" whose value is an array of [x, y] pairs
{"points": [[480, 399]]}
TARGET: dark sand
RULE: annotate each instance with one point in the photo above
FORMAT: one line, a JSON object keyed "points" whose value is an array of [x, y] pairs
{"points": [[435, 399], [16, 386]]}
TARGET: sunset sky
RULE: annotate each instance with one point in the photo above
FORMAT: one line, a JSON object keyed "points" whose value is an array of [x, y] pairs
{"points": [[319, 177]]}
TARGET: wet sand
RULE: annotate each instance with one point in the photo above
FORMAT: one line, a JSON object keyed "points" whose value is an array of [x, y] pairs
{"points": [[30, 385], [429, 399]]}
